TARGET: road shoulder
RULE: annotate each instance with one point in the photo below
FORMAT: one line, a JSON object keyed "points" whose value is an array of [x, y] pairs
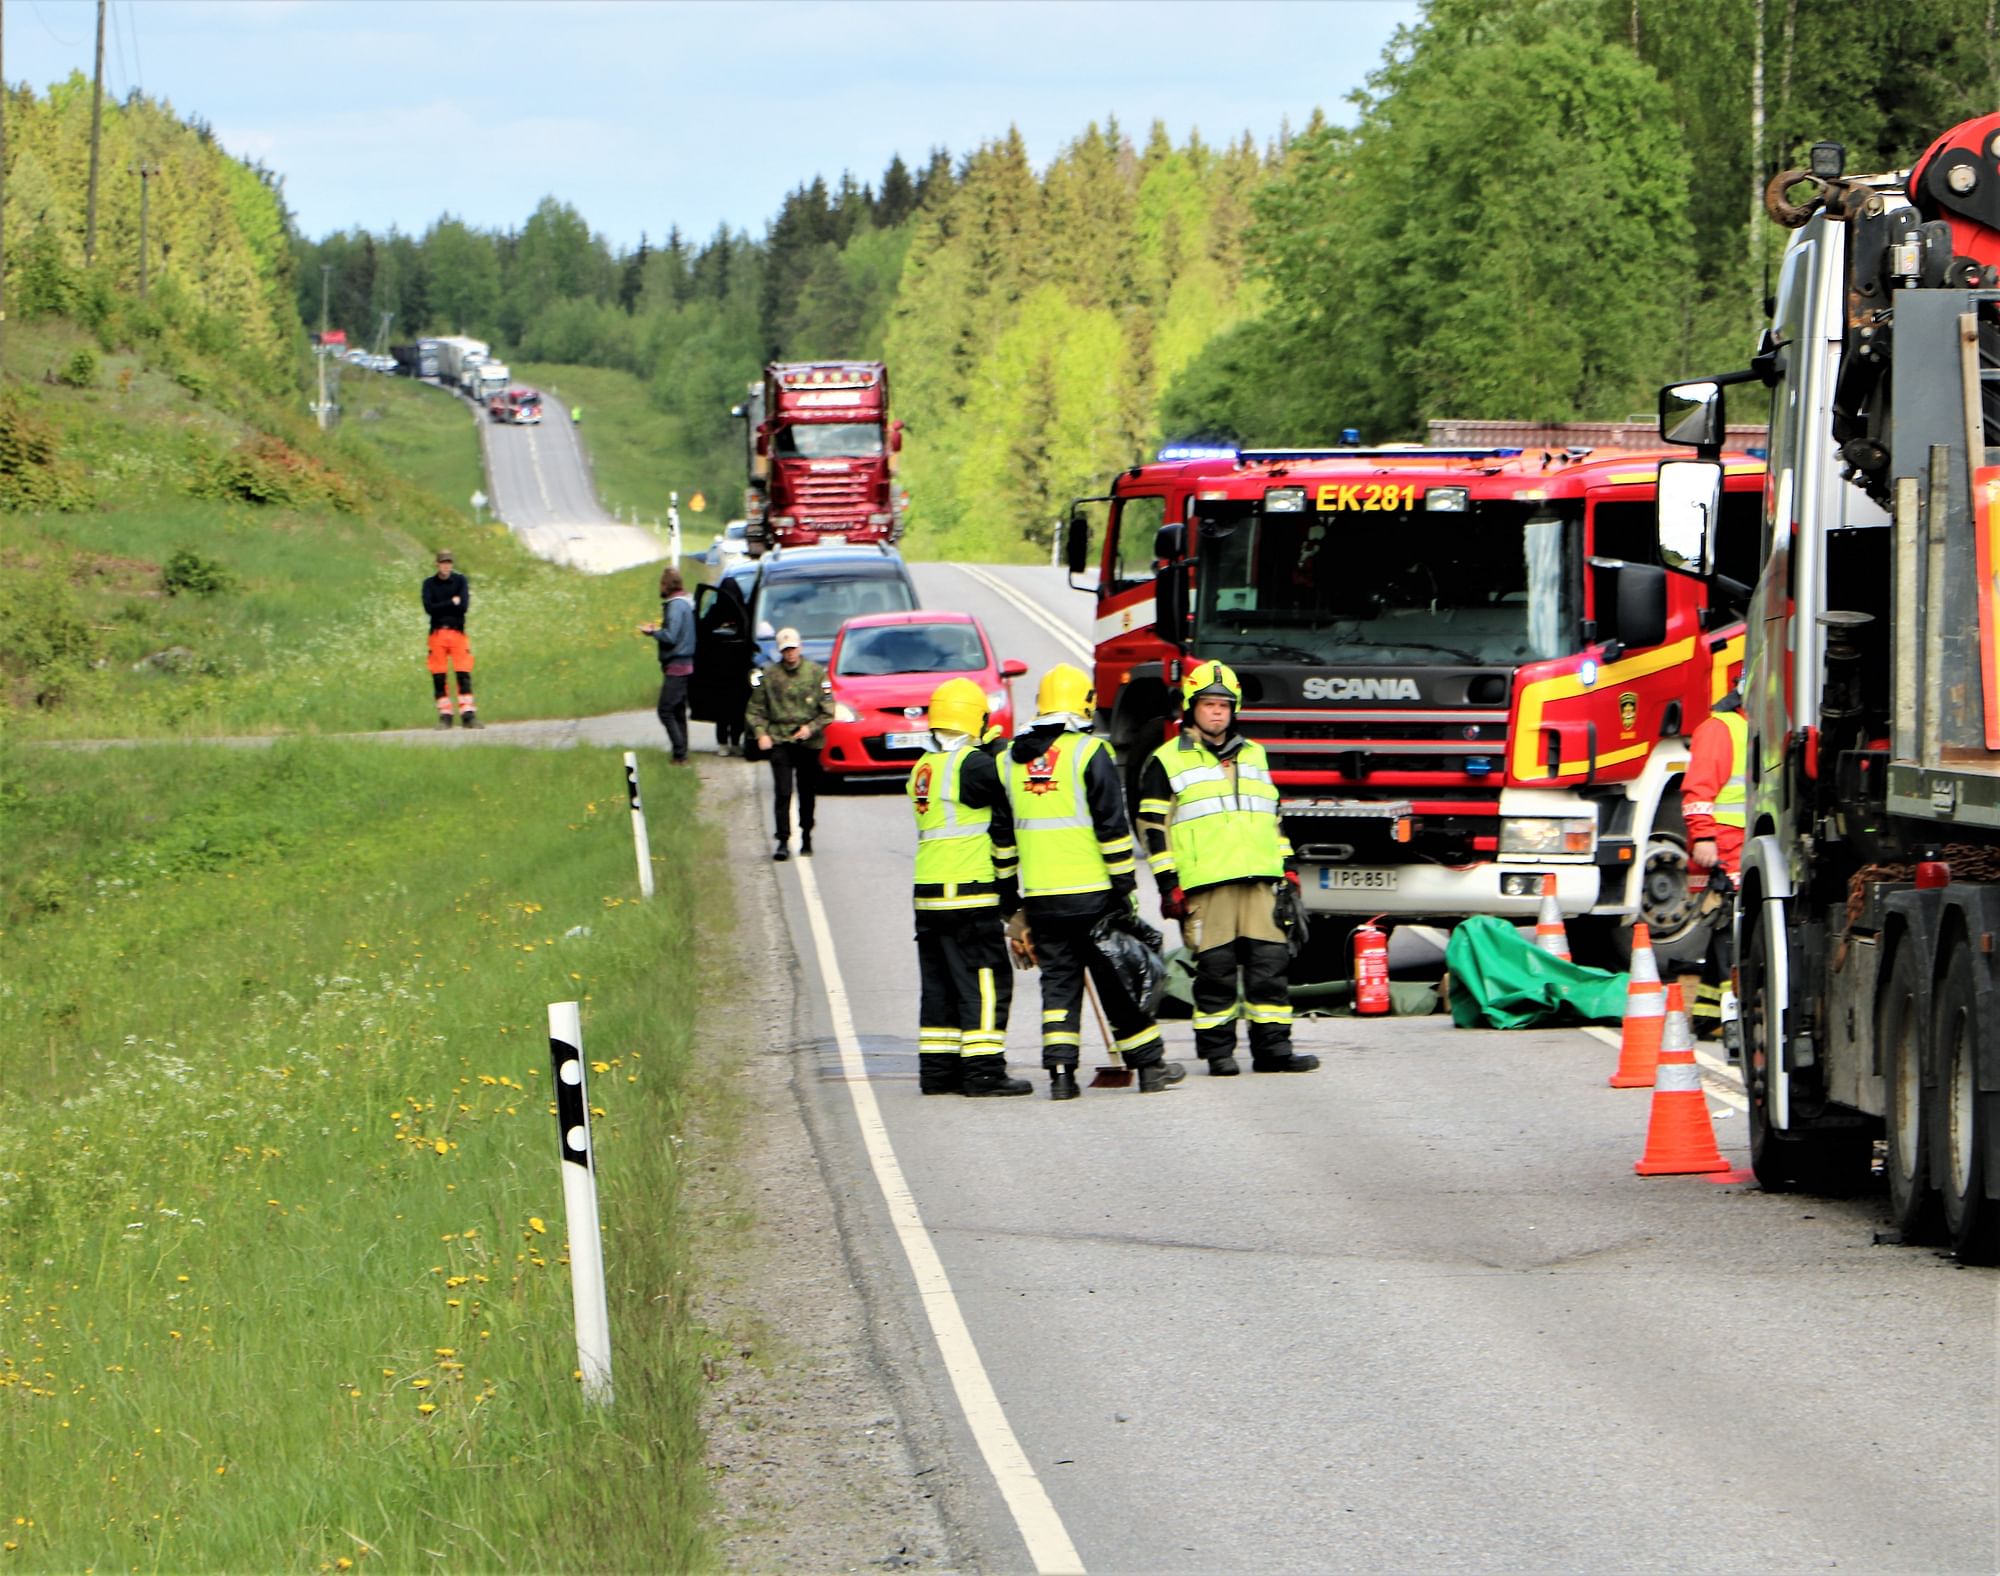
{"points": [[809, 1460]]}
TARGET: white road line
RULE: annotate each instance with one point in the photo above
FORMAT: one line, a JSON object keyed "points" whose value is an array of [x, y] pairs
{"points": [[1069, 638], [1725, 1083], [1040, 1527]]}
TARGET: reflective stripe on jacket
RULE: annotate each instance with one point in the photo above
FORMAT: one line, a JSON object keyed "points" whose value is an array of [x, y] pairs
{"points": [[954, 865], [1729, 804], [1221, 814]]}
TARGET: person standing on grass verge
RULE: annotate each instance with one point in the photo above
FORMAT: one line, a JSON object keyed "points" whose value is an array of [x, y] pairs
{"points": [[447, 599], [675, 635], [791, 703]]}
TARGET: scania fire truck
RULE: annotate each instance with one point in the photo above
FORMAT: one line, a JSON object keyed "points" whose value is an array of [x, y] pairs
{"points": [[1866, 967], [821, 453], [1467, 666]]}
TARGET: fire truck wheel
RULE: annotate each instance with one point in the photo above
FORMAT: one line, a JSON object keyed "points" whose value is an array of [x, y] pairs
{"points": [[1899, 1034], [1679, 925], [1971, 1220]]}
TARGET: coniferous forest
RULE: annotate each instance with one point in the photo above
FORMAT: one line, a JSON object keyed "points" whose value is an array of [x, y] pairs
{"points": [[1536, 208]]}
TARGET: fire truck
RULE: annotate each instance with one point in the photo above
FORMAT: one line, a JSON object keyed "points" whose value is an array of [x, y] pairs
{"points": [[1870, 892], [1467, 666], [821, 453]]}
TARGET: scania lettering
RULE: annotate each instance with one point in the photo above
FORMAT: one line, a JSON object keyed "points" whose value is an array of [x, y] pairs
{"points": [[821, 454], [1469, 667]]}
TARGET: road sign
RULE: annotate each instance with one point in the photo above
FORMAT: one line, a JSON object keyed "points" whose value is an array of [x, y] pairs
{"points": [[697, 503], [479, 500]]}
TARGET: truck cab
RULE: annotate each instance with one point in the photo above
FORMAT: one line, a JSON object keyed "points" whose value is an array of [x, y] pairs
{"points": [[822, 456], [1468, 666]]}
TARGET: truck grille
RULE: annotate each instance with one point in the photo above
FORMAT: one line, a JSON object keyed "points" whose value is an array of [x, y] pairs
{"points": [[1356, 745]]}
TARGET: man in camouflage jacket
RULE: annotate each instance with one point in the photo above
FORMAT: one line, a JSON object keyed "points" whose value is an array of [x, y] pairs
{"points": [[791, 704]]}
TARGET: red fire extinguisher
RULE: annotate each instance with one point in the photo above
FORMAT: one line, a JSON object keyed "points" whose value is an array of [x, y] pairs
{"points": [[1371, 969]]}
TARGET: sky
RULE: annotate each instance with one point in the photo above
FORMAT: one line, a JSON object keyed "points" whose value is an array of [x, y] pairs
{"points": [[643, 115]]}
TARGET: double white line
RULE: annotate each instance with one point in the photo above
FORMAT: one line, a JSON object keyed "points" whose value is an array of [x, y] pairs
{"points": [[1068, 638]]}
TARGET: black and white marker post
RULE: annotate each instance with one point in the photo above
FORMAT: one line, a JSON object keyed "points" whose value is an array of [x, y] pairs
{"points": [[639, 842], [579, 1174]]}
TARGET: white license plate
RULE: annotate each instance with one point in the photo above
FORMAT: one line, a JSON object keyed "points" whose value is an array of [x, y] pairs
{"points": [[1336, 878], [908, 741]]}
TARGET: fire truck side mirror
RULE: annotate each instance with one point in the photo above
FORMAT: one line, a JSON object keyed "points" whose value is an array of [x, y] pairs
{"points": [[1169, 542], [1642, 606], [1170, 603], [1687, 504], [1692, 414], [1076, 542]]}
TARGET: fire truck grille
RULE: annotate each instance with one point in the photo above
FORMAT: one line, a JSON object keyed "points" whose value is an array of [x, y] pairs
{"points": [[1471, 745]]}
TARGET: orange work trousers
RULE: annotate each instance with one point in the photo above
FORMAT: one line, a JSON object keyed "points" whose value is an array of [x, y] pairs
{"points": [[450, 651]]}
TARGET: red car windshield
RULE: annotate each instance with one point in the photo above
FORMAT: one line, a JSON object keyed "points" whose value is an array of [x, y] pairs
{"points": [[877, 650]]}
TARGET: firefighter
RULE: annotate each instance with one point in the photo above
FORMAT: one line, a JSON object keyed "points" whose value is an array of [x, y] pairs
{"points": [[1076, 868], [1712, 803], [1208, 811], [964, 881]]}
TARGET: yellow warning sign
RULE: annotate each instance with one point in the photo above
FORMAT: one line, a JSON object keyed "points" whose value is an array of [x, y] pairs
{"points": [[697, 503]]}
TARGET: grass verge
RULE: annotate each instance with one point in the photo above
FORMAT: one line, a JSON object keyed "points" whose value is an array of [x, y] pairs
{"points": [[280, 1214]]}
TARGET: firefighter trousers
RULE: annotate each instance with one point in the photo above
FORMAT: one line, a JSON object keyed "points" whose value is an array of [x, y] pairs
{"points": [[1266, 1002], [965, 989], [1065, 952]]}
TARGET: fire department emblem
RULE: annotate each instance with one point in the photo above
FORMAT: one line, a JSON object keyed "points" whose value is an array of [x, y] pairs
{"points": [[920, 788], [1042, 770], [1628, 713]]}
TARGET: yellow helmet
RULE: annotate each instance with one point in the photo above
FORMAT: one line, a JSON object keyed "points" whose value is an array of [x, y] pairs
{"points": [[1211, 679], [1066, 690], [958, 706]]}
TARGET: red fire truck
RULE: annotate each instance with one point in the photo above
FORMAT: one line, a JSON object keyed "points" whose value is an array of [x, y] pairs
{"points": [[1469, 667], [822, 456]]}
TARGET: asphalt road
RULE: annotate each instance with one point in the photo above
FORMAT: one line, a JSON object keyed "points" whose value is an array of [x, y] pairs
{"points": [[539, 482], [1411, 1312]]}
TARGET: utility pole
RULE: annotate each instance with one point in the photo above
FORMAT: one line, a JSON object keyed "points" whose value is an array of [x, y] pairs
{"points": [[145, 172], [96, 126], [3, 188], [325, 279]]}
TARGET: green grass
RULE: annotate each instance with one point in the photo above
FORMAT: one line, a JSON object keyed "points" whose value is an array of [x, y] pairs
{"points": [[623, 433], [316, 626], [426, 436], [277, 1166]]}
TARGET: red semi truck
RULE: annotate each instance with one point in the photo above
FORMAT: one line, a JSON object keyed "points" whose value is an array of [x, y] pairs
{"points": [[1469, 667], [821, 451]]}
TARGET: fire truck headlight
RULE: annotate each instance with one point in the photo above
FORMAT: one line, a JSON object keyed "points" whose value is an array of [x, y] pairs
{"points": [[1285, 500], [1445, 500], [1535, 834]]}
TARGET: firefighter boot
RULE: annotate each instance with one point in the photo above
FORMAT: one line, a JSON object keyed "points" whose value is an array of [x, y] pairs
{"points": [[987, 1075], [1161, 1075], [1223, 1066], [940, 1072], [1062, 1083], [1297, 1062]]}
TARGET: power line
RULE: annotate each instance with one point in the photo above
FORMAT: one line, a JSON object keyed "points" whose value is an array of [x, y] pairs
{"points": [[138, 64], [118, 48], [66, 43]]}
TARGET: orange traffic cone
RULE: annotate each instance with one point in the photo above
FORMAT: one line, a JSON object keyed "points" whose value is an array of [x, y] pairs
{"points": [[1549, 933], [1680, 1138], [1645, 1016]]}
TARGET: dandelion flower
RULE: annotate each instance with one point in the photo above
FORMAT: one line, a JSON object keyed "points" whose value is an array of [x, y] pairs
{"points": [[535, 1225], [426, 1408], [420, 1384], [439, 1145]]}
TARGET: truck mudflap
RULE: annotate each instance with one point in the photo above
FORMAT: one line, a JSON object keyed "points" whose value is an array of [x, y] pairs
{"points": [[1443, 891]]}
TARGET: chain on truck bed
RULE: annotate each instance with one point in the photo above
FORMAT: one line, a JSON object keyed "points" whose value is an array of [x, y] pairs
{"points": [[1973, 861]]}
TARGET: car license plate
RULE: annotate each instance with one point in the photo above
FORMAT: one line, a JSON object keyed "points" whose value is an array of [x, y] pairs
{"points": [[1337, 878], [908, 741]]}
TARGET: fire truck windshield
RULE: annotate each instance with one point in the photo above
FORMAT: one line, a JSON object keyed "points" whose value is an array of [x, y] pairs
{"points": [[829, 440], [1488, 586]]}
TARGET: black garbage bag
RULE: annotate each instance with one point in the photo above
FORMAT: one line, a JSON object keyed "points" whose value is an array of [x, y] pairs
{"points": [[1132, 948]]}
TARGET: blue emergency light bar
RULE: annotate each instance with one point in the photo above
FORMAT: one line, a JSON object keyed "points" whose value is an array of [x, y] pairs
{"points": [[1195, 451], [1408, 451]]}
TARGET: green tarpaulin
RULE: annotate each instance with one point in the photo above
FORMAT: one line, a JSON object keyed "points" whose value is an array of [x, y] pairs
{"points": [[1502, 980]]}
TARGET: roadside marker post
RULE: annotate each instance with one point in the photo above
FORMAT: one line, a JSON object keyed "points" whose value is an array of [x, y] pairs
{"points": [[579, 1174], [640, 845]]}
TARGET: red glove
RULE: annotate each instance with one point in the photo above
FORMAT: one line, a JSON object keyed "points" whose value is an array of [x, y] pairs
{"points": [[1293, 877], [1174, 905]]}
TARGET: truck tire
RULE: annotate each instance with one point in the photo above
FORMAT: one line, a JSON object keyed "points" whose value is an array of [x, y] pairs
{"points": [[1971, 1220], [1828, 1160], [1899, 1034]]}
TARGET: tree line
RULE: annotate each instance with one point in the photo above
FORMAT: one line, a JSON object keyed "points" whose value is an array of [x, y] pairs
{"points": [[1539, 209]]}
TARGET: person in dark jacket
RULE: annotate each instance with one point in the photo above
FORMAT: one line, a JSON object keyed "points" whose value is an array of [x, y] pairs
{"points": [[791, 702], [447, 599], [1074, 847], [675, 635]]}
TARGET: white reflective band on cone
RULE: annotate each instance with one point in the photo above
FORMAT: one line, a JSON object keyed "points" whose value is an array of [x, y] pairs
{"points": [[1677, 1078]]}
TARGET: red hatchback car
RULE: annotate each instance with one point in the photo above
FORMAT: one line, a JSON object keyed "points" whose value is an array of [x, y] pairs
{"points": [[884, 666]]}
